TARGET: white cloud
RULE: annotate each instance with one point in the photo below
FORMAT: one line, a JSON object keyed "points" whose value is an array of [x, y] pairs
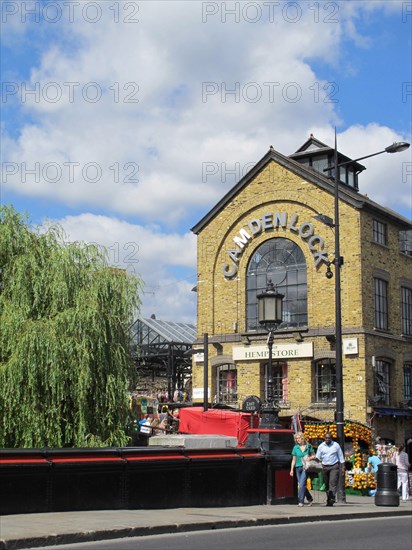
{"points": [[166, 136], [385, 179], [148, 253], [160, 150]]}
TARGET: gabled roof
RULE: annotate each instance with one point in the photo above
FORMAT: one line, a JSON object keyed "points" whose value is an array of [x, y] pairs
{"points": [[312, 143], [346, 193]]}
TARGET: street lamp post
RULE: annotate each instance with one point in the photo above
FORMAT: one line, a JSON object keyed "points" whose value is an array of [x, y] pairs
{"points": [[338, 262], [270, 307]]}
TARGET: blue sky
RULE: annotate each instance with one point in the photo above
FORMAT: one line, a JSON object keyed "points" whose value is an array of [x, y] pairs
{"points": [[131, 132]]}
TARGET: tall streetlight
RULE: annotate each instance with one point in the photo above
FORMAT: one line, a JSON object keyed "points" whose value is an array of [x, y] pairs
{"points": [[270, 308], [338, 261]]}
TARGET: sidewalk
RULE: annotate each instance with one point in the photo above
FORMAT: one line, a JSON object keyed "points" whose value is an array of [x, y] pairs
{"points": [[33, 530]]}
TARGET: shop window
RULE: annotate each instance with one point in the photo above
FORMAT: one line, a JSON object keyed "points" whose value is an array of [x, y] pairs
{"points": [[380, 232], [381, 304], [382, 381], [226, 380], [282, 261], [406, 304], [407, 382], [325, 381], [276, 381]]}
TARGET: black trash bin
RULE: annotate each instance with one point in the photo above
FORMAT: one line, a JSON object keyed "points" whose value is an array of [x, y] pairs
{"points": [[387, 485]]}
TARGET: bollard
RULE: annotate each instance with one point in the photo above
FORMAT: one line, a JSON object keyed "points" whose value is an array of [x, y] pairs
{"points": [[387, 485]]}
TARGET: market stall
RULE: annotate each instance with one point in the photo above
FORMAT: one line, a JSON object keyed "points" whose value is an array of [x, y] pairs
{"points": [[358, 447]]}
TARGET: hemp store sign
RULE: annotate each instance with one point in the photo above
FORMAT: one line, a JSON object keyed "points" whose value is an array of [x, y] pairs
{"points": [[271, 221], [281, 351]]}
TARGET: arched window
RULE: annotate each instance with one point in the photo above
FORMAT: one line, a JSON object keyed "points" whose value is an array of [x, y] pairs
{"points": [[282, 261]]}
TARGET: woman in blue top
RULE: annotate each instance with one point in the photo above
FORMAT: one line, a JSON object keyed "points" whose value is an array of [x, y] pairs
{"points": [[302, 448]]}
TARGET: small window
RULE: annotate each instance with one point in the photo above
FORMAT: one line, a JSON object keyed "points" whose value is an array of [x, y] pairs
{"points": [[276, 381], [350, 174], [381, 304], [405, 242], [226, 384], [380, 232], [325, 380], [407, 381], [406, 305], [382, 381], [319, 163]]}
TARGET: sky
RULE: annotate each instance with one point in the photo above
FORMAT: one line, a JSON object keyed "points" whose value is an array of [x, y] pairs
{"points": [[127, 121]]}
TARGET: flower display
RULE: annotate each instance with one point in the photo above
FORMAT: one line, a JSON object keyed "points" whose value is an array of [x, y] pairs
{"points": [[354, 430]]}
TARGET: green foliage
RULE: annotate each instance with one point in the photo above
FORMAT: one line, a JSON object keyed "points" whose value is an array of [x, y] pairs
{"points": [[65, 365]]}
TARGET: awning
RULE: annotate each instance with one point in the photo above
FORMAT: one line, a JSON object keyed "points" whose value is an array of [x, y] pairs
{"points": [[393, 412]]}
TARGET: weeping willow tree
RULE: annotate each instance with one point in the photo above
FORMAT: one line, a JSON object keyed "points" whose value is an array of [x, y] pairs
{"points": [[65, 364]]}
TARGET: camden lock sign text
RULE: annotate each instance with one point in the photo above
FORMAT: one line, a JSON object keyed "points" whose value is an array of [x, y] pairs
{"points": [[286, 351], [274, 221]]}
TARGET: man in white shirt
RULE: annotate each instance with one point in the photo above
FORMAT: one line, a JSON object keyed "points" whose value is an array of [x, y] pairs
{"points": [[330, 455]]}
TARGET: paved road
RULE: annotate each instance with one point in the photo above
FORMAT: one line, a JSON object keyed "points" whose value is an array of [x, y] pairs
{"points": [[48, 529], [367, 534]]}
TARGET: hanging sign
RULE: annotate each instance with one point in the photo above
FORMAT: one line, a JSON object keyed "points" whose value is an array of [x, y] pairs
{"points": [[251, 404]]}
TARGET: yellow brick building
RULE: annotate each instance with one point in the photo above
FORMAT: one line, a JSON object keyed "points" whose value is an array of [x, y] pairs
{"points": [[267, 227]]}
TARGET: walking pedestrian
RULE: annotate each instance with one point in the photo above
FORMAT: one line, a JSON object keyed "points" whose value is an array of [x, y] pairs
{"points": [[301, 449], [401, 459], [330, 455]]}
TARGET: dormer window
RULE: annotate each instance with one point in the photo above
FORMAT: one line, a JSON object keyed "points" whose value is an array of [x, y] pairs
{"points": [[320, 162], [319, 156]]}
